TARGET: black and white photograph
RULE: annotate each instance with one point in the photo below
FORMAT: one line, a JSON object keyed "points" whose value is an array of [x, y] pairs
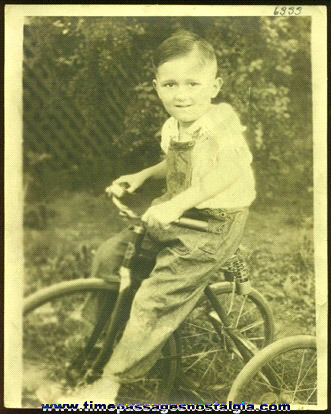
{"points": [[165, 208]]}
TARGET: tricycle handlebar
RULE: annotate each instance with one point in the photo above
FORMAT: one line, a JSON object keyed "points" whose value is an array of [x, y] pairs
{"points": [[127, 212]]}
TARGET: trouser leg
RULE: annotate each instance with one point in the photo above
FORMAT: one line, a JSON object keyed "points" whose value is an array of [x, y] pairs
{"points": [[105, 265], [165, 299], [109, 256]]}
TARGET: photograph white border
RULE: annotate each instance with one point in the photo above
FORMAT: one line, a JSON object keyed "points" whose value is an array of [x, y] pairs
{"points": [[14, 22]]}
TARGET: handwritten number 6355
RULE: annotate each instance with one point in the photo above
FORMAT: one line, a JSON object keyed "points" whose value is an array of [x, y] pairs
{"points": [[288, 11]]}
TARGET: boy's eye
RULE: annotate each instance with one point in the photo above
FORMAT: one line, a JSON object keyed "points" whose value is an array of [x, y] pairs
{"points": [[169, 85], [194, 84]]}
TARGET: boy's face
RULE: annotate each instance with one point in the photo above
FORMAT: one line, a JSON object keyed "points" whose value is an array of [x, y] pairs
{"points": [[186, 86]]}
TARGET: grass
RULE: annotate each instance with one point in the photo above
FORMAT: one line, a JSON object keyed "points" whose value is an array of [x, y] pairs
{"points": [[280, 256]]}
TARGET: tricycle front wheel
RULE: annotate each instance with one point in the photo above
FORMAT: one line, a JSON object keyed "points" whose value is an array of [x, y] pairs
{"points": [[61, 341]]}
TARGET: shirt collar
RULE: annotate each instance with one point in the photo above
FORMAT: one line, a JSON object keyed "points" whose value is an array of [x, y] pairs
{"points": [[200, 124], [196, 126]]}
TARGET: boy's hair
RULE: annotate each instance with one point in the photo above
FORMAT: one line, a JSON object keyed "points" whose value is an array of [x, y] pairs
{"points": [[182, 43]]}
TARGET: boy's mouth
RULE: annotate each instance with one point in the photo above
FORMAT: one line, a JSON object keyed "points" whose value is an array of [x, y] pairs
{"points": [[182, 106]]}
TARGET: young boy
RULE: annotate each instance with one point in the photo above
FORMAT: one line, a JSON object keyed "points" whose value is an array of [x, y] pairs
{"points": [[207, 170]]}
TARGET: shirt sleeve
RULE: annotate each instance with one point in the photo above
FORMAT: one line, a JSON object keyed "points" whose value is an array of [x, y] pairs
{"points": [[228, 133]]}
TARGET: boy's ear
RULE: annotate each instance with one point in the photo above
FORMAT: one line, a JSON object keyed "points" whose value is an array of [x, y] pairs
{"points": [[217, 85], [155, 87]]}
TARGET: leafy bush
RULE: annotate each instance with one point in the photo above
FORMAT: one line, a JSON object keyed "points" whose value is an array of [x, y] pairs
{"points": [[61, 247]]}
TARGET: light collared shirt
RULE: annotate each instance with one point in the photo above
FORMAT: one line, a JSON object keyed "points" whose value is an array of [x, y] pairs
{"points": [[216, 133]]}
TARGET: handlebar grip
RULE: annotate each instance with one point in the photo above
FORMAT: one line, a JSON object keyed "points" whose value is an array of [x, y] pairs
{"points": [[118, 190], [192, 224], [185, 222]]}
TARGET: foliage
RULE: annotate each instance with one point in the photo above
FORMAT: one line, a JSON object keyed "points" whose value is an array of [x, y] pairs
{"points": [[61, 237], [265, 63]]}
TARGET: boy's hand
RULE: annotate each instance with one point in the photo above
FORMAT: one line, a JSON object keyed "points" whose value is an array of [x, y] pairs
{"points": [[133, 180], [161, 215]]}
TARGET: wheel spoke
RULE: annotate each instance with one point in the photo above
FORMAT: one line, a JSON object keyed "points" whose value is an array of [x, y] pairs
{"points": [[194, 335], [307, 370], [299, 373], [232, 298], [209, 366], [201, 354], [310, 395], [258, 338], [278, 376], [240, 311], [251, 326], [249, 310], [201, 328]]}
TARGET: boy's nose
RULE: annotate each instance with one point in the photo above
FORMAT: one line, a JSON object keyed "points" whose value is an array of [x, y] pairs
{"points": [[182, 93]]}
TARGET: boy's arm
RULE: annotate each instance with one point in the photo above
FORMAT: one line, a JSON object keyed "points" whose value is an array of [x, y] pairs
{"points": [[211, 184], [218, 180], [155, 171], [137, 179]]}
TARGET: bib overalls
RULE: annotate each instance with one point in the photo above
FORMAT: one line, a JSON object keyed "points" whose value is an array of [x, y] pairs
{"points": [[184, 260]]}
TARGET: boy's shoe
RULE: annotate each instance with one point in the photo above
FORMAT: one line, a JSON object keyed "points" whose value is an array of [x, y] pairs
{"points": [[49, 393], [102, 391]]}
